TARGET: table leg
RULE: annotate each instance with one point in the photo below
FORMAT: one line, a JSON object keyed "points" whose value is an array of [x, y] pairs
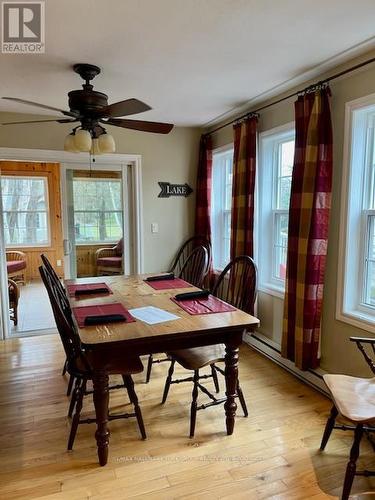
{"points": [[231, 378], [101, 399]]}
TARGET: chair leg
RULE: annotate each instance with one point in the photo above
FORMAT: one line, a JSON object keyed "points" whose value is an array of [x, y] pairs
{"points": [[193, 409], [149, 368], [74, 397], [215, 379], [242, 400], [168, 381], [351, 467], [75, 421], [129, 384], [70, 385], [329, 427], [64, 368]]}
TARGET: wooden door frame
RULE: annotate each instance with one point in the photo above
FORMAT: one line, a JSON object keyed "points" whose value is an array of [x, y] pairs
{"points": [[65, 159]]}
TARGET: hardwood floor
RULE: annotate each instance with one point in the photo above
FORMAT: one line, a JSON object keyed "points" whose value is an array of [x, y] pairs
{"points": [[272, 454]]}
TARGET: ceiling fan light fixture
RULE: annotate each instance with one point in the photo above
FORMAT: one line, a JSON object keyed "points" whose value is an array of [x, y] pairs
{"points": [[82, 140], [106, 143], [69, 144], [95, 149]]}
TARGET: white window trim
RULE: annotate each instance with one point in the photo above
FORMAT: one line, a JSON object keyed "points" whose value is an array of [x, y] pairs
{"points": [[357, 317], [222, 150], [270, 286], [47, 243]]}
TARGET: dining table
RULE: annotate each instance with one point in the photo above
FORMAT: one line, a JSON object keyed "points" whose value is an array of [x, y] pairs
{"points": [[140, 338]]}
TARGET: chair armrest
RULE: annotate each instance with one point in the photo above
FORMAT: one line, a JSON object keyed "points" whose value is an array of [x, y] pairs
{"points": [[105, 252], [365, 340], [15, 255]]}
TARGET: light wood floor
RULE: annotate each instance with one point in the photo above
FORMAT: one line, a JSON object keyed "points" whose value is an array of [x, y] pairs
{"points": [[272, 454]]}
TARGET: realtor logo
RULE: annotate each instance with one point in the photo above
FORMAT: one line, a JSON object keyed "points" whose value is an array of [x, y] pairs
{"points": [[23, 26]]}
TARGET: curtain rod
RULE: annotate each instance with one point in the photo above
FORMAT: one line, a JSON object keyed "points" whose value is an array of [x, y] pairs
{"points": [[310, 87]]}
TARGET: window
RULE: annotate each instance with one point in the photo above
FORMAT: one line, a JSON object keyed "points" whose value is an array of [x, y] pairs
{"points": [[356, 280], [221, 204], [275, 179], [97, 210], [25, 211]]}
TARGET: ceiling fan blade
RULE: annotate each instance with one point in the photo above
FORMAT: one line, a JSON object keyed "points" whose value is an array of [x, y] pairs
{"points": [[125, 108], [37, 104], [58, 120], [155, 127]]}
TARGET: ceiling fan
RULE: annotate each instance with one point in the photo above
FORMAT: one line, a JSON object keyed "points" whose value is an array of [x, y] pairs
{"points": [[91, 109]]}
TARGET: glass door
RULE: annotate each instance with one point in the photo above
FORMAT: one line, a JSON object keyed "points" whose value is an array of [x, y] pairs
{"points": [[94, 226]]}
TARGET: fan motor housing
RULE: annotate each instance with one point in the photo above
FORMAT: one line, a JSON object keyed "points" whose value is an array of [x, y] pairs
{"points": [[87, 101]]}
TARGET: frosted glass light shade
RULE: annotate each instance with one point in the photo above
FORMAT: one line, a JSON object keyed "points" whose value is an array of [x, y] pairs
{"points": [[107, 143], [95, 149], [69, 144], [82, 140]]}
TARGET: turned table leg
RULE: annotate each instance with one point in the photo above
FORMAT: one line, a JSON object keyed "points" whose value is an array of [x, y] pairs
{"points": [[101, 399], [231, 379]]}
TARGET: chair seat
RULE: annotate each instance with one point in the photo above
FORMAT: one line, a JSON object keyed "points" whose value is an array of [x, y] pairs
{"points": [[354, 397], [110, 261], [15, 265], [198, 357]]}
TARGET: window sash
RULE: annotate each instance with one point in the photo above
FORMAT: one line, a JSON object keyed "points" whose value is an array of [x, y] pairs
{"points": [[46, 242]]}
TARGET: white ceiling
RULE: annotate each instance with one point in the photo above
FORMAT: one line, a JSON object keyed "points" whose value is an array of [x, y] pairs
{"points": [[191, 60]]}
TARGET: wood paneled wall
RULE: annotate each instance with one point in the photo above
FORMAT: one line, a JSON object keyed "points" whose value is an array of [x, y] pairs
{"points": [[55, 251], [86, 260]]}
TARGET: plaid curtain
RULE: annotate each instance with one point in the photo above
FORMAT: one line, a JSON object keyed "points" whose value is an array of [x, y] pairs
{"points": [[244, 168], [204, 186], [308, 229]]}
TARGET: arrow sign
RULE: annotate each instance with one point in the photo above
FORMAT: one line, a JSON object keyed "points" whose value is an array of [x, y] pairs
{"points": [[168, 189]]}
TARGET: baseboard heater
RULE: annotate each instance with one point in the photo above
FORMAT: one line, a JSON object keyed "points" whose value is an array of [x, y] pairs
{"points": [[264, 346]]}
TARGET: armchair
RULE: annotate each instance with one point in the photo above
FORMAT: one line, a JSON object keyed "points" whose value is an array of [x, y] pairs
{"points": [[13, 300], [110, 260], [353, 399], [16, 265]]}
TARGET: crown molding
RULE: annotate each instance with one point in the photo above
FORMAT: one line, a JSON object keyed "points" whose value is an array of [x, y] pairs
{"points": [[327, 65]]}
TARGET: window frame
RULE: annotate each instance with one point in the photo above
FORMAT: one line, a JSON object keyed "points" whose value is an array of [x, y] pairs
{"points": [[121, 211], [217, 227], [45, 180], [354, 216], [267, 213]]}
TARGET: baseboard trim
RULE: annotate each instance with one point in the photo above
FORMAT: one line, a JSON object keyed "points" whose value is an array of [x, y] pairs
{"points": [[271, 350]]}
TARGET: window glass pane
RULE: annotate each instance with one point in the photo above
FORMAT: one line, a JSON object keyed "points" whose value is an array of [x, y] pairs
{"points": [[287, 158], [370, 263], [221, 203], [97, 210], [280, 245], [25, 205]]}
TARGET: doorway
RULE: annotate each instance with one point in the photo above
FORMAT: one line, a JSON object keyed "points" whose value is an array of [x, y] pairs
{"points": [[67, 234]]}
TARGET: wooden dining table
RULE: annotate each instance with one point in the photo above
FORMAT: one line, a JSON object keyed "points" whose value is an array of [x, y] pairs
{"points": [[140, 338]]}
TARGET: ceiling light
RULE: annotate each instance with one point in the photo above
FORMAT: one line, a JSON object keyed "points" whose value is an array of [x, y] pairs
{"points": [[106, 143], [82, 140], [95, 149], [69, 144]]}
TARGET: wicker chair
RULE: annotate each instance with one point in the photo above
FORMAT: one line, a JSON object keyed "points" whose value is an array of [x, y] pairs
{"points": [[16, 265], [14, 295], [110, 260]]}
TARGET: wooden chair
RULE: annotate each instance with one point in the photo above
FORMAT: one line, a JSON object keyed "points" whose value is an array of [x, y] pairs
{"points": [[193, 271], [186, 249], [354, 399], [79, 365], [65, 305], [110, 260], [16, 265], [14, 295], [237, 284]]}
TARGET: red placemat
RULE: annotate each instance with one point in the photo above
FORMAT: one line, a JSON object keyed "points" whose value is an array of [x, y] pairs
{"points": [[86, 286], [82, 312], [204, 306], [168, 284]]}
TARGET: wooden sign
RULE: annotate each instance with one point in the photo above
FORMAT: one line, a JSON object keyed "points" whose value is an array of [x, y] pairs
{"points": [[168, 190]]}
